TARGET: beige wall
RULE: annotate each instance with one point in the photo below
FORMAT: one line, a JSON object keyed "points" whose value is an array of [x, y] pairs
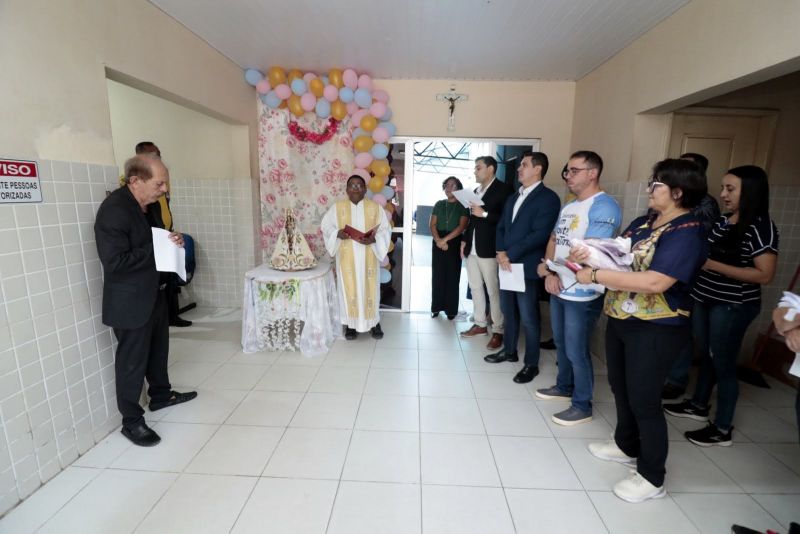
{"points": [[705, 49]]}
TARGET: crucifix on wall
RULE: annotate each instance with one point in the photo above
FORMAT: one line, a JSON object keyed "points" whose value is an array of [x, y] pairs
{"points": [[451, 98]]}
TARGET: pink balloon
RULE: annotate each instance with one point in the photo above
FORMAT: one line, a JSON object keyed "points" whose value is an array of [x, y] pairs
{"points": [[308, 76], [350, 78], [380, 134], [263, 87], [363, 173], [283, 91], [385, 261], [381, 96], [377, 110], [308, 101], [357, 116], [380, 199], [365, 82], [331, 93], [363, 159], [352, 107]]}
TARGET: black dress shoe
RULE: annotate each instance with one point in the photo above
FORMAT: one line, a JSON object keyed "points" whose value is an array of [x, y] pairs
{"points": [[502, 356], [140, 434], [451, 317], [527, 374], [376, 331], [174, 398], [434, 315], [177, 321], [350, 334], [548, 345]]}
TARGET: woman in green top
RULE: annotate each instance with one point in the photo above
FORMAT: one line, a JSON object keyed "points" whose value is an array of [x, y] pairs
{"points": [[448, 221]]}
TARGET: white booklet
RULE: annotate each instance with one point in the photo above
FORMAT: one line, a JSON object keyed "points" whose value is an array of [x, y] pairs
{"points": [[513, 280], [170, 258], [465, 196]]}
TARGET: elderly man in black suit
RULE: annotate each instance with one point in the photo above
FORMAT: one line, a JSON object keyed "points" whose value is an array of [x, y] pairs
{"points": [[134, 303]]}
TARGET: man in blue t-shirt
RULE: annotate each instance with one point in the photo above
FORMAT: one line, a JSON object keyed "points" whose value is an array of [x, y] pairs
{"points": [[574, 307]]}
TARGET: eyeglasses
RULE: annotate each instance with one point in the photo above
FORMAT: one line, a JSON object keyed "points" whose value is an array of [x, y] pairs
{"points": [[573, 171], [652, 184], [355, 186]]}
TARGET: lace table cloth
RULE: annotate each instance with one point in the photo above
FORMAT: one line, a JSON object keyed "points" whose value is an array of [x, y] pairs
{"points": [[290, 310]]}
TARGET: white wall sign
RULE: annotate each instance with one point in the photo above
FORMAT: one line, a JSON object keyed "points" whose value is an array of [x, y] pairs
{"points": [[19, 181]]}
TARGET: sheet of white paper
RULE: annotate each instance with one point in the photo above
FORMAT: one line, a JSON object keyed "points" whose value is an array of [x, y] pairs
{"points": [[567, 277], [513, 280], [170, 258], [795, 368], [465, 196]]}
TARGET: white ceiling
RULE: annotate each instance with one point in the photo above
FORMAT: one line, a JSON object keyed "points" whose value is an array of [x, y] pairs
{"points": [[423, 39]]}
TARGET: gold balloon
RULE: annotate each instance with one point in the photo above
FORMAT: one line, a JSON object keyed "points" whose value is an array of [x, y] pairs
{"points": [[338, 110], [363, 143], [375, 184], [335, 77], [391, 246], [293, 74], [380, 167], [369, 123], [295, 106], [317, 87], [276, 76]]}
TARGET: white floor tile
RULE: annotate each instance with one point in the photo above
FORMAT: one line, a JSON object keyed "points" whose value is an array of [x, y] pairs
{"points": [[497, 386], [445, 384], [532, 463], [364, 507], [397, 340], [657, 516], [326, 410], [293, 506], [349, 359], [754, 469], [97, 508], [266, 408], [179, 444], [205, 351], [199, 503], [536, 511], [298, 359], [787, 453], [392, 382], [339, 380], [235, 376], [441, 360], [458, 460], [716, 513], [778, 395], [190, 374], [691, 471], [784, 508], [395, 359], [513, 418], [309, 453], [761, 426], [105, 452], [383, 457], [594, 473], [287, 378], [597, 428], [236, 450], [255, 358], [211, 406], [380, 412], [450, 416], [463, 510]]}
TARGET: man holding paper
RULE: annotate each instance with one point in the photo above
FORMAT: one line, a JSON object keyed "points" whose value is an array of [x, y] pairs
{"points": [[134, 303], [522, 234], [357, 234], [574, 308]]}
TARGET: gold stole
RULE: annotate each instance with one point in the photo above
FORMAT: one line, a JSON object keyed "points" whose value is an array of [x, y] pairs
{"points": [[372, 218]]}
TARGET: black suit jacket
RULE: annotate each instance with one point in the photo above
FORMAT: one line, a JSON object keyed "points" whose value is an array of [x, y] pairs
{"points": [[484, 228], [125, 246]]}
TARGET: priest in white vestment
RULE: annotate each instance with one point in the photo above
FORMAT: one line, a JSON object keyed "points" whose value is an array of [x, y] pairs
{"points": [[358, 259]]}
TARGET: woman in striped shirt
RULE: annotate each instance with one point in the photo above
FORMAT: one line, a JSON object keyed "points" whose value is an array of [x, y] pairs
{"points": [[743, 247]]}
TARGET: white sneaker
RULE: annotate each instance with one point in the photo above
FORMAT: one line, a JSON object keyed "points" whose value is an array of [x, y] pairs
{"points": [[608, 450], [636, 488]]}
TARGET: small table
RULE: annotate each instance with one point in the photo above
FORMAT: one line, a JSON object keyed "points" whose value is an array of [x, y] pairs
{"points": [[290, 310]]}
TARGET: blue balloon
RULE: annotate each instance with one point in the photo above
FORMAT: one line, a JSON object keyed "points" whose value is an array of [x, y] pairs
{"points": [[346, 95], [363, 98], [323, 108], [325, 80], [385, 276], [253, 76], [358, 132], [271, 100], [379, 151], [370, 194], [391, 128], [299, 86], [387, 192], [388, 115]]}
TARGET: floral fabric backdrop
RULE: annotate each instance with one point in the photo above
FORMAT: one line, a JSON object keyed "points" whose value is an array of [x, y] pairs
{"points": [[300, 175]]}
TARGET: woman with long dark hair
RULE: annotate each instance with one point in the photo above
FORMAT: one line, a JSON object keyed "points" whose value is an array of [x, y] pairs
{"points": [[448, 222], [743, 256]]}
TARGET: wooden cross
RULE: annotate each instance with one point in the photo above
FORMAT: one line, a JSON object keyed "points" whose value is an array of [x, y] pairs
{"points": [[451, 98]]}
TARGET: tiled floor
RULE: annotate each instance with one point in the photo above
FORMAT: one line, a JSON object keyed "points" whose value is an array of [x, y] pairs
{"points": [[411, 434]]}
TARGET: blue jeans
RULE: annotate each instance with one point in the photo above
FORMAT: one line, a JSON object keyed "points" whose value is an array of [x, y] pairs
{"points": [[528, 305], [573, 323], [679, 374], [718, 331]]}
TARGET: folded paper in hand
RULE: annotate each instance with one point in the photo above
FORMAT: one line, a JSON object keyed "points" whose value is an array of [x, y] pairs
{"points": [[170, 258], [358, 234], [467, 197], [513, 280]]}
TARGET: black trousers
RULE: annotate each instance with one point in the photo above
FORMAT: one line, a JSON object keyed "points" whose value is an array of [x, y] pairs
{"points": [[445, 277], [639, 355], [142, 353]]}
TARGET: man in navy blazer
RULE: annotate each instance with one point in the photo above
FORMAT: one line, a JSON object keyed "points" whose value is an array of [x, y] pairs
{"points": [[524, 229]]}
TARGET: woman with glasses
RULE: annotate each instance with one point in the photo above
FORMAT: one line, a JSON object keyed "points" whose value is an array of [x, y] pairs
{"points": [[448, 221], [648, 313], [743, 255]]}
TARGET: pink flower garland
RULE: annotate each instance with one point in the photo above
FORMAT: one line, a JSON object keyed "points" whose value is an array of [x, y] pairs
{"points": [[301, 134]]}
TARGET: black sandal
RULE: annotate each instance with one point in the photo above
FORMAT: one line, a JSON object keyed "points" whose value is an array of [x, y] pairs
{"points": [[174, 398]]}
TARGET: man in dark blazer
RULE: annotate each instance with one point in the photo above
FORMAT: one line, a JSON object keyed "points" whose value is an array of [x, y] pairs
{"points": [[523, 231], [478, 248], [134, 303]]}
